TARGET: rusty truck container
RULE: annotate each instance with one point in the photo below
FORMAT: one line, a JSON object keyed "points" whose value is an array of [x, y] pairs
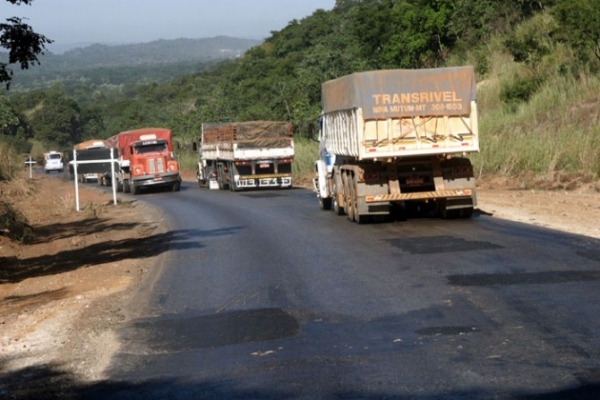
{"points": [[398, 113]]}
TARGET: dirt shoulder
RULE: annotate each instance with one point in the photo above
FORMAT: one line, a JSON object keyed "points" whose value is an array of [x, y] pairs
{"points": [[63, 295]]}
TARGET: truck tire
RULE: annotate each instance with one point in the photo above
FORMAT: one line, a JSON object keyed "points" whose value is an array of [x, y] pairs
{"points": [[232, 185], [134, 189], [337, 209], [325, 203], [176, 187], [466, 212], [348, 196]]}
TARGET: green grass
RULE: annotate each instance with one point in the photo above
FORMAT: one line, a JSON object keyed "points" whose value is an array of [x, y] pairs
{"points": [[306, 153]]}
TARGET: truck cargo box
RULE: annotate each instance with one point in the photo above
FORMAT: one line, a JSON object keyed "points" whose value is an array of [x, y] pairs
{"points": [[249, 140], [398, 113]]}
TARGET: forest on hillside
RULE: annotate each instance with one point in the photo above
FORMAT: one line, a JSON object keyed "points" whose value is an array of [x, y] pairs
{"points": [[101, 64], [524, 53]]}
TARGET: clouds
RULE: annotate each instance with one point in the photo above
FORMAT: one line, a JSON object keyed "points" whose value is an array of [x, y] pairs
{"points": [[130, 21]]}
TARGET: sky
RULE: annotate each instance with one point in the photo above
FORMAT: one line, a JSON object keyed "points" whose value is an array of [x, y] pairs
{"points": [[140, 21]]}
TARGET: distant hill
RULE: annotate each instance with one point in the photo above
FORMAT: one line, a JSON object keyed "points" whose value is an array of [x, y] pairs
{"points": [[84, 63]]}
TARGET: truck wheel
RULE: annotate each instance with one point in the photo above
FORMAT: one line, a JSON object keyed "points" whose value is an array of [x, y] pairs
{"points": [[348, 197], [232, 185], [135, 190], [466, 212], [325, 203], [354, 202], [336, 203], [176, 186]]}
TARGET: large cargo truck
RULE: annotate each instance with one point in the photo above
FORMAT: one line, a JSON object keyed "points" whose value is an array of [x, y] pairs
{"points": [[246, 155], [398, 137], [145, 160], [88, 145]]}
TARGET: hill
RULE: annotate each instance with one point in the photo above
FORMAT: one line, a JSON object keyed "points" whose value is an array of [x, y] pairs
{"points": [[160, 61]]}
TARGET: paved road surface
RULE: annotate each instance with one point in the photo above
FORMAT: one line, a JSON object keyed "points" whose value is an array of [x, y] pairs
{"points": [[263, 295]]}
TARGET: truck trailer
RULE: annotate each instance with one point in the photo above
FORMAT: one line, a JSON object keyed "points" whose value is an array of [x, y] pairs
{"points": [[246, 155], [54, 161], [398, 137], [87, 145], [145, 160]]}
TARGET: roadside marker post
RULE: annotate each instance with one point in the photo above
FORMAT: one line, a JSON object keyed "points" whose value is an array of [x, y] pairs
{"points": [[95, 167]]}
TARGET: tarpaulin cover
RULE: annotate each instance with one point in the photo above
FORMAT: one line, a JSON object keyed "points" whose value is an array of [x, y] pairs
{"points": [[250, 134], [402, 93]]}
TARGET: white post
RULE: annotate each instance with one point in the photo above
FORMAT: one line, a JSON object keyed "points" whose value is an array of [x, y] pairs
{"points": [[112, 174], [76, 180], [30, 168]]}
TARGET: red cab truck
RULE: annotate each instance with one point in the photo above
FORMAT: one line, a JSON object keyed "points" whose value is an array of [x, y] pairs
{"points": [[145, 160]]}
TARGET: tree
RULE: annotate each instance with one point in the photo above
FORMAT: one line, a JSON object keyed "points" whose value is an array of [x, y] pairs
{"points": [[579, 22], [22, 43]]}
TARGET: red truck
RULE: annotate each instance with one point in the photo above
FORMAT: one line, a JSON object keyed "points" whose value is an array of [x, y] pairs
{"points": [[145, 160]]}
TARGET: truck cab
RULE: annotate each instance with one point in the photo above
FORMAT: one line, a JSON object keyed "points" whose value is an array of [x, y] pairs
{"points": [[151, 162]]}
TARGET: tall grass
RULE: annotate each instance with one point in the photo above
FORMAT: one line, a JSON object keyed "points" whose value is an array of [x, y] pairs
{"points": [[306, 153], [9, 165], [555, 129]]}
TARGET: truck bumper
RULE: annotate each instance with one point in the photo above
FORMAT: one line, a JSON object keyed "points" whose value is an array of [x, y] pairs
{"points": [[457, 193], [263, 181], [157, 180]]}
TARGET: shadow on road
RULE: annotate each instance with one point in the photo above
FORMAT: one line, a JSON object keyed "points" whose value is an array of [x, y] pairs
{"points": [[49, 382]]}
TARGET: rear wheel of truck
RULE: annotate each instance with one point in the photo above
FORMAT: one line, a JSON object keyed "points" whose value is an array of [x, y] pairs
{"points": [[466, 212], [348, 196], [325, 203], [358, 218], [232, 185], [337, 209]]}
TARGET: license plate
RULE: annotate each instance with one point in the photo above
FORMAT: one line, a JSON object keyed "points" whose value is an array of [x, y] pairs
{"points": [[263, 166], [414, 181], [158, 178]]}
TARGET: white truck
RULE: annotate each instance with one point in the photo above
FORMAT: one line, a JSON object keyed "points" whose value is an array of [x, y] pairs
{"points": [[398, 137], [245, 155]]}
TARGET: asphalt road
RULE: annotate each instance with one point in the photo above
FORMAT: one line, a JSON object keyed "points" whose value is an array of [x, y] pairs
{"points": [[263, 295]]}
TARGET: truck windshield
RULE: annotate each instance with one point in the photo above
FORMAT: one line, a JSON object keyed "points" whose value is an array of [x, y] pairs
{"points": [[151, 148], [54, 156]]}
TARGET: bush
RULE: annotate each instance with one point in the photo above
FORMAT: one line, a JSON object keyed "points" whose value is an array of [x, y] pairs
{"points": [[8, 162], [14, 225], [519, 90]]}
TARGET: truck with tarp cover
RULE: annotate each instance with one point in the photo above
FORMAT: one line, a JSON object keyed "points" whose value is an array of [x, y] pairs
{"points": [[245, 155], [398, 138], [88, 145]]}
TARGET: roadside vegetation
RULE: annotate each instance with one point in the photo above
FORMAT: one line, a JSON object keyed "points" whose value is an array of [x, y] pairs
{"points": [[537, 64]]}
